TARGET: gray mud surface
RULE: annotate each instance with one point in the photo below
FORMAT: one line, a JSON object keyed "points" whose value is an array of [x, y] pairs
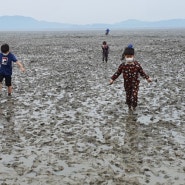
{"points": [[64, 125]]}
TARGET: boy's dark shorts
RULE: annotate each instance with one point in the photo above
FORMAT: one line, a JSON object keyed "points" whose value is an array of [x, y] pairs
{"points": [[8, 79]]}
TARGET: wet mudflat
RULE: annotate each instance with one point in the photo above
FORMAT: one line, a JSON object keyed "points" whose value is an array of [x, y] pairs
{"points": [[65, 125]]}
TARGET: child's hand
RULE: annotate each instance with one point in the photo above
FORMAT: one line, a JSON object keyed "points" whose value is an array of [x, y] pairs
{"points": [[20, 66], [22, 69], [149, 80], [111, 82]]}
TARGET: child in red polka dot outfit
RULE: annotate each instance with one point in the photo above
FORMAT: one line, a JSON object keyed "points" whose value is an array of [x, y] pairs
{"points": [[131, 70]]}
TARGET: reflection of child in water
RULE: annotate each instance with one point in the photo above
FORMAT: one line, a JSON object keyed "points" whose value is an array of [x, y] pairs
{"points": [[131, 70], [105, 51]]}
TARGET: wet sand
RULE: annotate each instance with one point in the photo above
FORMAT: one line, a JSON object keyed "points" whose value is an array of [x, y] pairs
{"points": [[64, 125]]}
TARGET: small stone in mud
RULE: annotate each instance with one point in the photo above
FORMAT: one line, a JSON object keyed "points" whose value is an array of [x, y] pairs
{"points": [[184, 168], [59, 168], [166, 176]]}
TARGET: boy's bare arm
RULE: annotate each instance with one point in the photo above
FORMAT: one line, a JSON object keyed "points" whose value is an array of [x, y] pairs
{"points": [[20, 66]]}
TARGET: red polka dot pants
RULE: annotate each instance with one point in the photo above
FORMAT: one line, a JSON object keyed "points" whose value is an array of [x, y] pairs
{"points": [[131, 90]]}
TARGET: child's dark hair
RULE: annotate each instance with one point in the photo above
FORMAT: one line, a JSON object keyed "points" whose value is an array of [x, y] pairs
{"points": [[5, 48], [104, 42], [129, 50]]}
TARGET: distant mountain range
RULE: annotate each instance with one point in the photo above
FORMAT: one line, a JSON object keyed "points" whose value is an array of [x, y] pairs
{"points": [[21, 23]]}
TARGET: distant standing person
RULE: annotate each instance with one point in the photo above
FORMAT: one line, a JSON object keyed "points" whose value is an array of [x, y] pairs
{"points": [[107, 31], [6, 61], [131, 70], [105, 51]]}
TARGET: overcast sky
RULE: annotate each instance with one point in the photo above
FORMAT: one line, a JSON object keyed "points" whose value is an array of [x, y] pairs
{"points": [[94, 11]]}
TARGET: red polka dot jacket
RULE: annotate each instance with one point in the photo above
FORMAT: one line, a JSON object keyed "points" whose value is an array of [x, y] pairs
{"points": [[130, 72]]}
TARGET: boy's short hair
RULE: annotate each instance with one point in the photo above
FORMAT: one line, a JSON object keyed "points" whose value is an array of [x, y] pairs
{"points": [[5, 48]]}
